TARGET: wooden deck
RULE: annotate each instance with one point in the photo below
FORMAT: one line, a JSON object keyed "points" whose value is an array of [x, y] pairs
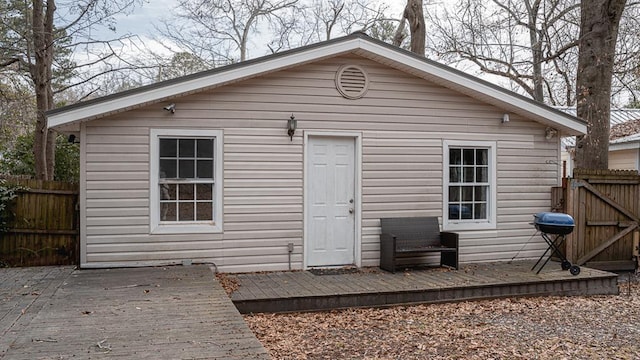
{"points": [[144, 313], [304, 291]]}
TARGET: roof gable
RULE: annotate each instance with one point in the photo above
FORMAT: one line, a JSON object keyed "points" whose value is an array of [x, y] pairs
{"points": [[358, 44]]}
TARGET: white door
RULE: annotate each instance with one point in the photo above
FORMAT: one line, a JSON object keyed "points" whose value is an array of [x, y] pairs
{"points": [[331, 202]]}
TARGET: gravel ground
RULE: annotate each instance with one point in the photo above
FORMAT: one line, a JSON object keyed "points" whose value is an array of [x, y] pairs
{"points": [[596, 327]]}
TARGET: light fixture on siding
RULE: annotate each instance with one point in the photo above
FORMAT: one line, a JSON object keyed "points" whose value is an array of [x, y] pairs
{"points": [[292, 124], [549, 133], [170, 108], [505, 118]]}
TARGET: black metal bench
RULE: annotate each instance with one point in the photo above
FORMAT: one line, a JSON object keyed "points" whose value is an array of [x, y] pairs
{"points": [[413, 237]]}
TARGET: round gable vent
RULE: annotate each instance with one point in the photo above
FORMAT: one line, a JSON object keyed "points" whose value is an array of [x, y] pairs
{"points": [[352, 81]]}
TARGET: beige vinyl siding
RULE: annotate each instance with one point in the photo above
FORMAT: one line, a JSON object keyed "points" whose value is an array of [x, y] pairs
{"points": [[623, 159], [402, 121]]}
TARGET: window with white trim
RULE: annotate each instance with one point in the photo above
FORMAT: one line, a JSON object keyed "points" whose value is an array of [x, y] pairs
{"points": [[186, 175], [470, 190]]}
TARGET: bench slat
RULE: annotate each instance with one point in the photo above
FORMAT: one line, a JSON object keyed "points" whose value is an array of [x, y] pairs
{"points": [[427, 249]]}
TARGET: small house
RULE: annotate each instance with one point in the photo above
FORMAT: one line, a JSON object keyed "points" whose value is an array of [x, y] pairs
{"points": [[624, 145], [290, 160]]}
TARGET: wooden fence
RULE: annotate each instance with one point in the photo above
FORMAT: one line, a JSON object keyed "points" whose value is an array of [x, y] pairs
{"points": [[45, 228], [605, 205]]}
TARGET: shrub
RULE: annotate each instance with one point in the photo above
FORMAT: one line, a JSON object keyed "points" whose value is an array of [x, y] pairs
{"points": [[8, 194], [20, 160]]}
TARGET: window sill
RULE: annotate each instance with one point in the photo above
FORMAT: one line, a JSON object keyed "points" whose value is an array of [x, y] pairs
{"points": [[186, 229], [461, 226]]}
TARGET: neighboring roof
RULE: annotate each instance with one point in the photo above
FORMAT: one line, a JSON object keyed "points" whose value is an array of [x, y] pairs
{"points": [[69, 117], [625, 136], [630, 138], [625, 127], [618, 116]]}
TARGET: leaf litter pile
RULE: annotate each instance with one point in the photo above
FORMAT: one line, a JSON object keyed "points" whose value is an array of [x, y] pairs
{"points": [[594, 327]]}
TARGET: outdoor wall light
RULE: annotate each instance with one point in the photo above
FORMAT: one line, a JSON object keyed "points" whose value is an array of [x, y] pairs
{"points": [[73, 139], [170, 108], [292, 124], [505, 118], [549, 133]]}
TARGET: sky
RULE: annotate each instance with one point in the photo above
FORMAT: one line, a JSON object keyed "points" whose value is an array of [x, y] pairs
{"points": [[141, 21]]}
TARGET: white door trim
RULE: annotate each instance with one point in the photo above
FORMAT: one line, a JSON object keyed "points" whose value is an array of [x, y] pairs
{"points": [[357, 136]]}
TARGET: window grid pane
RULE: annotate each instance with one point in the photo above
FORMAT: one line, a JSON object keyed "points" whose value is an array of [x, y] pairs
{"points": [[469, 183], [186, 179], [186, 211]]}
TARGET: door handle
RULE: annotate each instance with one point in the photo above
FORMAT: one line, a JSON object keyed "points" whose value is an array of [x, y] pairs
{"points": [[350, 210]]}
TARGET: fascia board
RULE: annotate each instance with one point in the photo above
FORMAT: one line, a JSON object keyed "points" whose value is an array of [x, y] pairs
{"points": [[624, 146], [152, 95]]}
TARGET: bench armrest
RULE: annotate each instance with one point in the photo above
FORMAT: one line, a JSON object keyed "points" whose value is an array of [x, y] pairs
{"points": [[387, 239], [449, 239], [388, 252]]}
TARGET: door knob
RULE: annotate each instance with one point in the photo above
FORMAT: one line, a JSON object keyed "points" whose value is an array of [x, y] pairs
{"points": [[350, 210]]}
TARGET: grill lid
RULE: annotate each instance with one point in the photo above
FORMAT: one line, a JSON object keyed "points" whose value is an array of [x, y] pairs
{"points": [[552, 218], [553, 223]]}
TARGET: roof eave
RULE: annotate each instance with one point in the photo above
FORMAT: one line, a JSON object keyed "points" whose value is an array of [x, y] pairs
{"points": [[625, 143]]}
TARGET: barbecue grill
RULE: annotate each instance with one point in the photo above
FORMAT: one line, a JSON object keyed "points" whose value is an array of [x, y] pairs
{"points": [[553, 228]]}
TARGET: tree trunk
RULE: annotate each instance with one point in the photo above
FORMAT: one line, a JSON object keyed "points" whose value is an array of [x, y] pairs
{"points": [[399, 36], [417, 26], [44, 144], [598, 34], [536, 53]]}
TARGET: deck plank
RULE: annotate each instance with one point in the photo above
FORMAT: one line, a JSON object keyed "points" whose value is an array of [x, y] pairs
{"points": [[178, 312], [380, 288]]}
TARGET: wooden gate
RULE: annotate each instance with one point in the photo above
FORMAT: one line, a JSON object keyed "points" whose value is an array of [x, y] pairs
{"points": [[45, 228], [605, 205]]}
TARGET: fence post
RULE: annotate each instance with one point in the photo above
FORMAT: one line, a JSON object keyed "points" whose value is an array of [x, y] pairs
{"points": [[569, 209]]}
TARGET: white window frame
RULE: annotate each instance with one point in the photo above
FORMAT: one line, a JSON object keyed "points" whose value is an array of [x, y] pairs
{"points": [[158, 227], [471, 224]]}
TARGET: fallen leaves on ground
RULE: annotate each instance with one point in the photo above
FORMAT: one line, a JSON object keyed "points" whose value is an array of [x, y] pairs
{"points": [[229, 284], [594, 327]]}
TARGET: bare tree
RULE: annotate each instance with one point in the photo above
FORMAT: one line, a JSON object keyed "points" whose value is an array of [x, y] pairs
{"points": [[38, 36], [220, 30], [600, 20], [414, 15], [625, 87], [321, 20], [325, 16], [532, 43]]}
